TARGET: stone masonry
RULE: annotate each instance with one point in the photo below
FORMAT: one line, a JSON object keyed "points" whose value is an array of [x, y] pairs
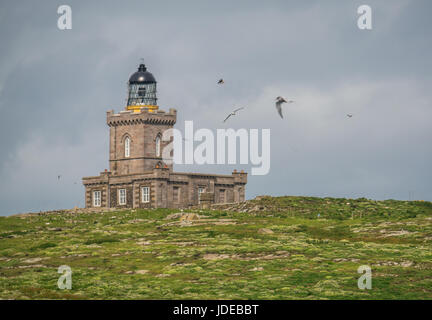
{"points": [[137, 176], [143, 168]]}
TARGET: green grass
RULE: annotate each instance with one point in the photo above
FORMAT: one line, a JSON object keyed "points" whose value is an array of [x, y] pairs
{"points": [[138, 254]]}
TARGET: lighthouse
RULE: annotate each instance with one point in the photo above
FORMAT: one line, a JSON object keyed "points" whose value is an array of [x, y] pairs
{"points": [[138, 177]]}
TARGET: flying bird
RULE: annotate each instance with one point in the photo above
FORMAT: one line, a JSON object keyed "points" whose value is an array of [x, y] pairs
{"points": [[221, 81], [349, 115], [58, 177], [279, 101], [233, 113]]}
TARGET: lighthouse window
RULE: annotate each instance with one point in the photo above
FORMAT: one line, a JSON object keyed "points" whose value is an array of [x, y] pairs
{"points": [[200, 190], [122, 197], [127, 147], [222, 196], [142, 92], [96, 198], [176, 194], [145, 194], [158, 146]]}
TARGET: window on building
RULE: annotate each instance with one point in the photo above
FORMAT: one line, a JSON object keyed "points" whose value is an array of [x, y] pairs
{"points": [[122, 197], [97, 198], [222, 196], [176, 194], [158, 146], [142, 91], [145, 194], [127, 147], [200, 190]]}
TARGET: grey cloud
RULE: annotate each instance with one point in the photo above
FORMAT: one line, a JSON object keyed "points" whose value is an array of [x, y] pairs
{"points": [[55, 87]]}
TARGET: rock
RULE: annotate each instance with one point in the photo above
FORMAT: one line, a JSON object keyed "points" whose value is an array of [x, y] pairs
{"points": [[394, 233], [136, 221], [189, 217], [265, 231], [174, 216], [185, 216], [55, 229], [406, 264], [94, 245], [141, 271], [215, 256], [257, 269], [262, 197], [143, 243], [137, 272], [33, 266], [33, 260]]}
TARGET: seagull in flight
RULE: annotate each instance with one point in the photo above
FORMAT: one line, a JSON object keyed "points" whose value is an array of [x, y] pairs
{"points": [[279, 101], [221, 81], [233, 113], [349, 115]]}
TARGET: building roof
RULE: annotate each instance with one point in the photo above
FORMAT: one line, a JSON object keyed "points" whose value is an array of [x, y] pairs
{"points": [[142, 76]]}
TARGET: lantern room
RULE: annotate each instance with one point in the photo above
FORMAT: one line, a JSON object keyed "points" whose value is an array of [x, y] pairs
{"points": [[142, 91]]}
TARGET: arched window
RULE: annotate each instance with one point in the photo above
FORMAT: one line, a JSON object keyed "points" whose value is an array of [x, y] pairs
{"points": [[158, 151], [127, 147]]}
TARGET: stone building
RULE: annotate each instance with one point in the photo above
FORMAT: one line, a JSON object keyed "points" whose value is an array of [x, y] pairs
{"points": [[138, 177]]}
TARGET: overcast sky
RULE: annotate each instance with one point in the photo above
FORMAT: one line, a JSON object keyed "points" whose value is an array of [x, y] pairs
{"points": [[56, 86]]}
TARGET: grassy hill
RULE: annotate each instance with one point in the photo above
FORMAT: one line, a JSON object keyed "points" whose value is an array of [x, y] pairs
{"points": [[271, 248]]}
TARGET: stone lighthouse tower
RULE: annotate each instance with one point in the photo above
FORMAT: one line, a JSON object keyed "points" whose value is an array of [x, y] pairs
{"points": [[138, 177], [136, 134]]}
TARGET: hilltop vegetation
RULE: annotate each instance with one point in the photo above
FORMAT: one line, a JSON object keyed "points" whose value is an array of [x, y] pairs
{"points": [[271, 248]]}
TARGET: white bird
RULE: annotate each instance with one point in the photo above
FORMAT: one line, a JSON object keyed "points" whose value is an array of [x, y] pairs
{"points": [[279, 101], [233, 113]]}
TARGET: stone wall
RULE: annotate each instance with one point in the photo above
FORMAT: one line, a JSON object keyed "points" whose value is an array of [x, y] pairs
{"points": [[114, 194], [168, 189], [207, 199], [142, 130], [162, 183]]}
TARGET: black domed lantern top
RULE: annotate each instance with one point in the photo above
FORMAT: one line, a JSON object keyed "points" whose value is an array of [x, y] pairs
{"points": [[142, 76], [142, 90]]}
